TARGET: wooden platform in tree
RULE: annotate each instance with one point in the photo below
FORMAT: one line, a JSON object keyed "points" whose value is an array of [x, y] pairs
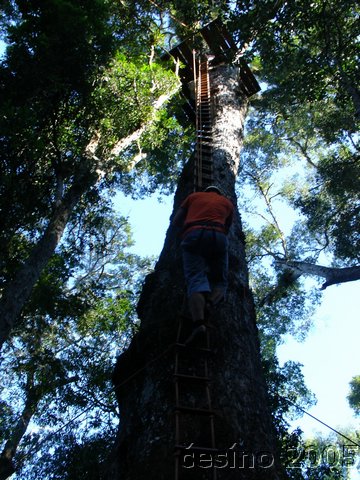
{"points": [[224, 49]]}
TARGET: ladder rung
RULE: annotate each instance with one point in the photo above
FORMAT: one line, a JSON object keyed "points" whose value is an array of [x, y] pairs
{"points": [[191, 378], [194, 448], [189, 347], [195, 411], [207, 165]]}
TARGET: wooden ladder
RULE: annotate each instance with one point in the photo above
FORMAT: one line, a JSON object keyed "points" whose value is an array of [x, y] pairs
{"points": [[203, 169], [193, 406]]}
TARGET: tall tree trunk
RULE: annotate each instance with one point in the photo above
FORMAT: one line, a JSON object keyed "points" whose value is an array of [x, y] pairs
{"points": [[32, 399], [33, 395], [18, 290], [143, 376]]}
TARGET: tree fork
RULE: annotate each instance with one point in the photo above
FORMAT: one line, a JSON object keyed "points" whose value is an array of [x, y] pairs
{"points": [[143, 375]]}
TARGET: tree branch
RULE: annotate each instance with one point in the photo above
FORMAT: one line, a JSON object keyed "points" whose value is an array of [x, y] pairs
{"points": [[127, 141], [124, 143], [332, 275]]}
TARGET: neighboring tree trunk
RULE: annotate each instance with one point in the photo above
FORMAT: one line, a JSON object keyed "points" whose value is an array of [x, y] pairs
{"points": [[34, 393], [143, 376], [16, 293], [18, 290]]}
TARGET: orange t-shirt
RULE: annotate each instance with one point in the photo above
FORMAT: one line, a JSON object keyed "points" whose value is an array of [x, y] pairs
{"points": [[207, 207]]}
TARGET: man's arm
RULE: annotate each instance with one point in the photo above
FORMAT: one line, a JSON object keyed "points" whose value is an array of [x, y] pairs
{"points": [[228, 222], [179, 217]]}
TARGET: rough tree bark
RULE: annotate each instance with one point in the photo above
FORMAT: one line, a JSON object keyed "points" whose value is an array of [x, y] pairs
{"points": [[143, 376]]}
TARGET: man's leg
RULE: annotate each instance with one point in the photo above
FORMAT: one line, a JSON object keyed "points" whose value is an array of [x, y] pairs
{"points": [[216, 295], [197, 310], [197, 306], [219, 266], [195, 270]]}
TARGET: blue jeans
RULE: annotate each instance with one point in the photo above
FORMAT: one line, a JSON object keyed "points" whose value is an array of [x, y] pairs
{"points": [[205, 260]]}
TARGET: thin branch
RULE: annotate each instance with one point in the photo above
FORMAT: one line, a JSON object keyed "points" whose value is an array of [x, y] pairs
{"points": [[303, 150]]}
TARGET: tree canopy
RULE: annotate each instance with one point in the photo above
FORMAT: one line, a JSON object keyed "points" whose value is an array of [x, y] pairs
{"points": [[84, 102], [354, 395]]}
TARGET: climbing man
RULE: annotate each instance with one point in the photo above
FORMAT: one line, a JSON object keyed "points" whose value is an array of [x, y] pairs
{"points": [[205, 218]]}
